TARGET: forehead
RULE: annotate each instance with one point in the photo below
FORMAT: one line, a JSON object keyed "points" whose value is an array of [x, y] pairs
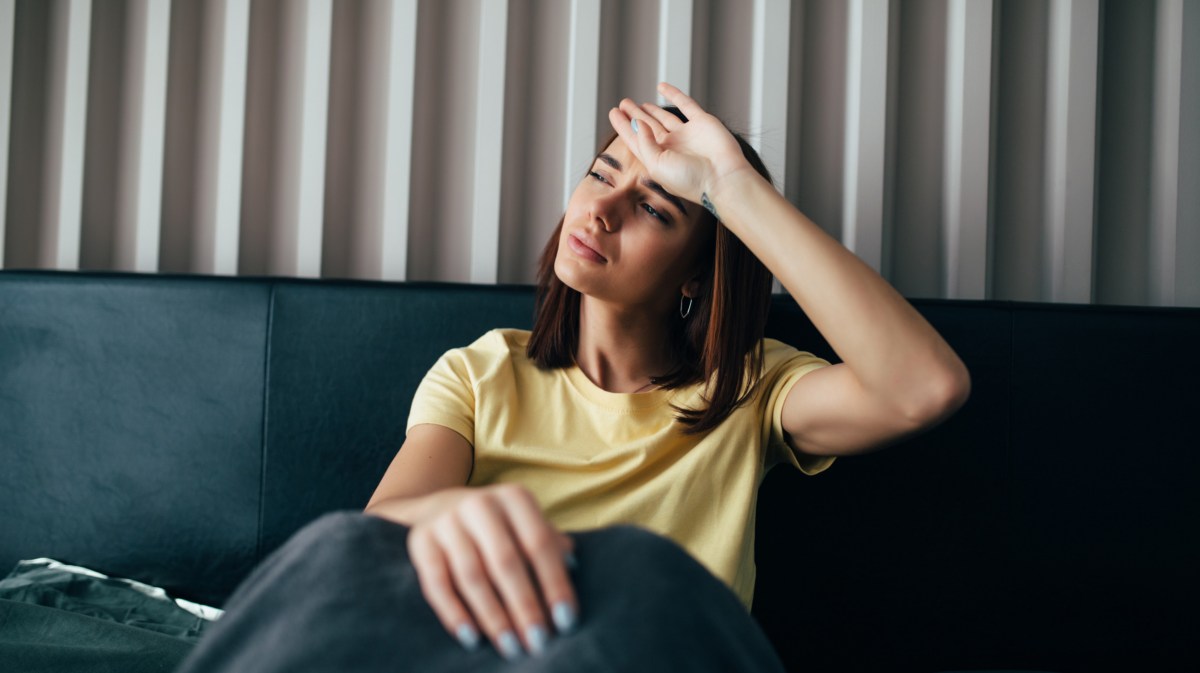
{"points": [[618, 150]]}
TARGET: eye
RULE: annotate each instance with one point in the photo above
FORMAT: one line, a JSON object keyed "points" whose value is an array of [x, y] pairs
{"points": [[655, 214], [596, 176]]}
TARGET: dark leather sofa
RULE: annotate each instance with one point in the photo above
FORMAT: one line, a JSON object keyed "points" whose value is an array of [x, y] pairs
{"points": [[177, 429]]}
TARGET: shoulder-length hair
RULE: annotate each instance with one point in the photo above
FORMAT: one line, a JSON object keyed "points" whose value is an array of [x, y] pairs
{"points": [[721, 340]]}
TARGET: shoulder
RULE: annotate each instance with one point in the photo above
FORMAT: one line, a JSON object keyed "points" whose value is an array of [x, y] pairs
{"points": [[511, 339], [496, 343], [495, 351]]}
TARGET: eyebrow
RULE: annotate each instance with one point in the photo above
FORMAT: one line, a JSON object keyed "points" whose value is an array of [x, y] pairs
{"points": [[647, 182]]}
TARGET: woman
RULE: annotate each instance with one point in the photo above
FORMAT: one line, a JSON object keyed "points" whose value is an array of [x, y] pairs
{"points": [[645, 394]]}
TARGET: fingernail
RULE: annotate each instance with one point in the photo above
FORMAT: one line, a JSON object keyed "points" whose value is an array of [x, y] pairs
{"points": [[537, 637], [467, 636], [564, 617], [634, 125], [509, 646], [569, 559]]}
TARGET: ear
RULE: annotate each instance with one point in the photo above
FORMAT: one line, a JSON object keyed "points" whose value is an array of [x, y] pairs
{"points": [[691, 288]]}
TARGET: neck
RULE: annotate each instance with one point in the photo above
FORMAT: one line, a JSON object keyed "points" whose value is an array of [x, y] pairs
{"points": [[621, 349]]}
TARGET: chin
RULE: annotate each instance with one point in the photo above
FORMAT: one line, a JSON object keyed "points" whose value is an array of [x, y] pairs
{"points": [[569, 275]]}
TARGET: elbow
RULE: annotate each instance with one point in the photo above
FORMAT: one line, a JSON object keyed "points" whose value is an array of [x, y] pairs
{"points": [[943, 394]]}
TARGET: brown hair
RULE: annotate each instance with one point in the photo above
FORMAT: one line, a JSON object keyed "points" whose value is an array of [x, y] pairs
{"points": [[721, 343]]}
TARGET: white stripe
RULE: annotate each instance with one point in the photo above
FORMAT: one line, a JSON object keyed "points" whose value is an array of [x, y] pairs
{"points": [[70, 35], [221, 126], [769, 85], [310, 196], [1071, 149], [965, 171], [8, 10], [1164, 177], [583, 81], [769, 89], [489, 141], [139, 197], [675, 44], [393, 193], [866, 119]]}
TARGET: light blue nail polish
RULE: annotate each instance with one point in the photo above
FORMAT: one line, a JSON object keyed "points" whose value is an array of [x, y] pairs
{"points": [[509, 646], [564, 617], [537, 637], [468, 637], [634, 124]]}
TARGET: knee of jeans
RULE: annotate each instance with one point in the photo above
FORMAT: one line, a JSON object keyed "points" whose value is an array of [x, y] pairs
{"points": [[334, 530], [655, 570], [338, 522]]}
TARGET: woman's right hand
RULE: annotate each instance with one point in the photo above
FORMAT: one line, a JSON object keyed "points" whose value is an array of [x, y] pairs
{"points": [[488, 561]]}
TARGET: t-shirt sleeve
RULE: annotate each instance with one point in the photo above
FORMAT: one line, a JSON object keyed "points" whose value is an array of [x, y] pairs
{"points": [[446, 396], [786, 366]]}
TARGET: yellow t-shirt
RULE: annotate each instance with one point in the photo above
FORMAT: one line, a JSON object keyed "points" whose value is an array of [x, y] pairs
{"points": [[593, 458]]}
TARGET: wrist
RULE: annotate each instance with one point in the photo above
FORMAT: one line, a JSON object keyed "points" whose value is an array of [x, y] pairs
{"points": [[412, 510], [722, 196]]}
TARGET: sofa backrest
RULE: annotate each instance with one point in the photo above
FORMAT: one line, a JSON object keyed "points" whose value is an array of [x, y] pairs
{"points": [[177, 429], [1053, 523]]}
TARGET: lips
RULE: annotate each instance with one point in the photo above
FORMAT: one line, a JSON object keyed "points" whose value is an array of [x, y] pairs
{"points": [[584, 250]]}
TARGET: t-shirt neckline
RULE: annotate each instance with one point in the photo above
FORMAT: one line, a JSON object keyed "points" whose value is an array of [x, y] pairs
{"points": [[615, 401]]}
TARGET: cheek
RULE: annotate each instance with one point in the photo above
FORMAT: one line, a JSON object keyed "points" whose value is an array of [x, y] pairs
{"points": [[665, 254]]}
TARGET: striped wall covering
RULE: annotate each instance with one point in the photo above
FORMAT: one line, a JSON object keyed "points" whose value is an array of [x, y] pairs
{"points": [[1043, 150]]}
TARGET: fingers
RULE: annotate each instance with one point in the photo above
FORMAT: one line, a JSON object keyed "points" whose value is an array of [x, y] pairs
{"points": [[546, 550], [643, 140], [659, 119], [647, 118], [666, 120], [437, 586], [474, 578], [690, 108], [493, 565], [508, 569]]}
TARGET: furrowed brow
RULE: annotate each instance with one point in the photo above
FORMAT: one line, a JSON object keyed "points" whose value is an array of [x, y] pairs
{"points": [[611, 161], [658, 189]]}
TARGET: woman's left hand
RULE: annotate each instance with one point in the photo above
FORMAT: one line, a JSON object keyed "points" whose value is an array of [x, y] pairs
{"points": [[689, 159]]}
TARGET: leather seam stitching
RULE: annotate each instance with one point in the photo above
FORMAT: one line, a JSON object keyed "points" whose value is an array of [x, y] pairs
{"points": [[262, 476]]}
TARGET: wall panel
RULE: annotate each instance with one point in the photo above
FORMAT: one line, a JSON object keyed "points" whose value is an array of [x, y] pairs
{"points": [[143, 126], [66, 122], [1123, 185], [917, 256], [1019, 164], [1027, 149], [8, 16]]}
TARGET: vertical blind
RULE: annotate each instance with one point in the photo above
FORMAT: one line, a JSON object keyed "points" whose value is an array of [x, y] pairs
{"points": [[1041, 150]]}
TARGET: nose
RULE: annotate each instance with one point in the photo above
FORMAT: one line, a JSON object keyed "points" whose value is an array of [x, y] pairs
{"points": [[605, 210]]}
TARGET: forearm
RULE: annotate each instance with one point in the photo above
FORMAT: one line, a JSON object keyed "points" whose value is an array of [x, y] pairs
{"points": [[888, 345]]}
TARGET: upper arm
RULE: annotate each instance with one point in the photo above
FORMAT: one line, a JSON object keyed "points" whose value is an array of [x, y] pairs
{"points": [[829, 413], [432, 458]]}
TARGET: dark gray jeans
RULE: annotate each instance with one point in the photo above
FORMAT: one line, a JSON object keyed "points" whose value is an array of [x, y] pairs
{"points": [[341, 595]]}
